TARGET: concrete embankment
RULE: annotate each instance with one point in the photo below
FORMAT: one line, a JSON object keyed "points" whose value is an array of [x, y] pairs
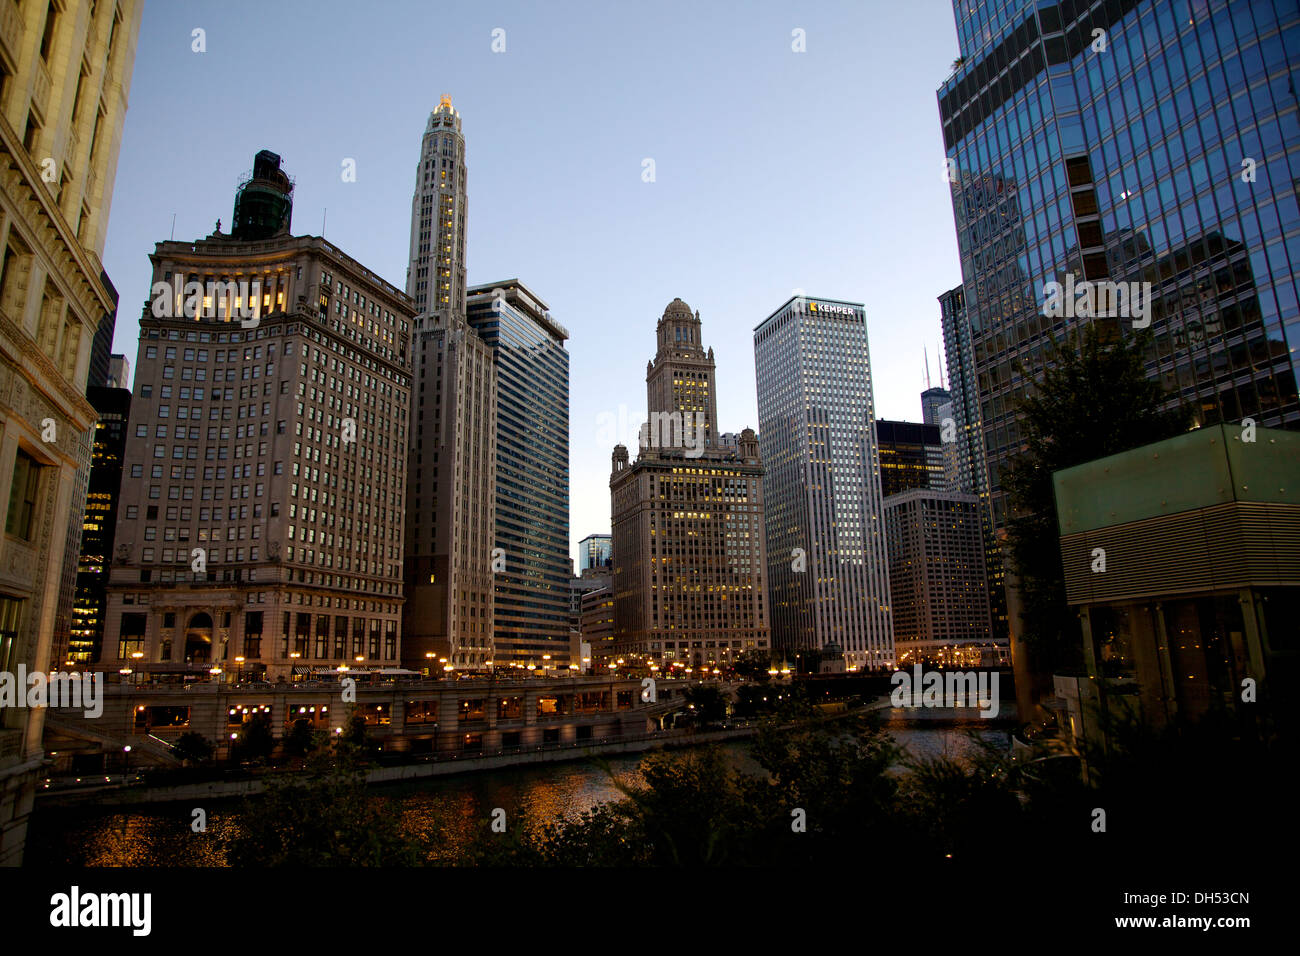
{"points": [[131, 794]]}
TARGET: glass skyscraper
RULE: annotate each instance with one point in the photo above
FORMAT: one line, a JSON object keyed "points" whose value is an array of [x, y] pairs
{"points": [[531, 599], [1134, 142], [594, 552], [827, 573]]}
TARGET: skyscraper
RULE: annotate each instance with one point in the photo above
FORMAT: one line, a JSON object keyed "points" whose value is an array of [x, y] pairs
{"points": [[825, 536], [531, 573], [593, 552], [687, 519], [933, 399], [1133, 141], [936, 580], [966, 458], [260, 519], [85, 639], [451, 524], [65, 71], [119, 371], [911, 456]]}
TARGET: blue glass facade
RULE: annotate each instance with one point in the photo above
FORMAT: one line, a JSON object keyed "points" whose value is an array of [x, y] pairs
{"points": [[531, 601], [1133, 142]]}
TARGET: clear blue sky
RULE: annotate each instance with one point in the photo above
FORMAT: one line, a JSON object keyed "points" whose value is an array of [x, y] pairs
{"points": [[774, 170]]}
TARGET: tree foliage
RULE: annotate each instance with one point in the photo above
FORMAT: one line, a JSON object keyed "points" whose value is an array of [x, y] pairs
{"points": [[328, 819], [193, 746], [1093, 400]]}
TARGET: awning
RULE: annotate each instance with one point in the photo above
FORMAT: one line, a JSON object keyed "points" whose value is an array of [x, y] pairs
{"points": [[301, 669]]}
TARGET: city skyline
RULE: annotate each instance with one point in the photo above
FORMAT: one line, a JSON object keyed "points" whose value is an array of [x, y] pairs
{"points": [[710, 161]]}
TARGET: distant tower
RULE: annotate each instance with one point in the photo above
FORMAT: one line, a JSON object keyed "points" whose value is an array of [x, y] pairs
{"points": [[451, 516], [435, 276], [933, 398], [687, 520]]}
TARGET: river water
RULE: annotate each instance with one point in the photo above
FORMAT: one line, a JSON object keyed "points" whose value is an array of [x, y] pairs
{"points": [[452, 807]]}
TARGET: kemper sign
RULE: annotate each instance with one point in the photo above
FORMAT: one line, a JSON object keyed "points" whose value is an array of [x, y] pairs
{"points": [[837, 309]]}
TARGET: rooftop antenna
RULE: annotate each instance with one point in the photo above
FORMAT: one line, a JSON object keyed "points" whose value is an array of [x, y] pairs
{"points": [[173, 235], [324, 213], [926, 353]]}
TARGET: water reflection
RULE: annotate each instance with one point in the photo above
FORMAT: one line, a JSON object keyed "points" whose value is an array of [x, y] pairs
{"points": [[447, 812]]}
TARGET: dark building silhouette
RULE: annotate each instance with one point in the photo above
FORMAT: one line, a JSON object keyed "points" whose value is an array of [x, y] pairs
{"points": [[86, 636], [911, 456]]}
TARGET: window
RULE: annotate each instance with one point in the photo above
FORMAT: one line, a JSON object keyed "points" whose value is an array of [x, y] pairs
{"points": [[10, 614], [22, 496], [47, 40]]}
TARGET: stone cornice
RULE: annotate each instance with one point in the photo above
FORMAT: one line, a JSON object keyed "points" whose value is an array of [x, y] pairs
{"points": [[86, 262]]}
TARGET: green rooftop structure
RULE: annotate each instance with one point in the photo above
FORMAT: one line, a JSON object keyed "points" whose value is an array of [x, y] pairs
{"points": [[1182, 558]]}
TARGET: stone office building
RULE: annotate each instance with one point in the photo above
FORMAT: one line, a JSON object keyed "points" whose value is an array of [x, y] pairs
{"points": [[689, 558], [65, 71], [261, 516]]}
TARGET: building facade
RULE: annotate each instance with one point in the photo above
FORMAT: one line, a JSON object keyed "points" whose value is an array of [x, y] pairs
{"points": [[1201, 587], [911, 456], [85, 639], [531, 568], [824, 530], [937, 581], [261, 515], [597, 629], [594, 553], [687, 519], [1169, 157], [933, 399], [65, 71], [119, 371], [451, 522]]}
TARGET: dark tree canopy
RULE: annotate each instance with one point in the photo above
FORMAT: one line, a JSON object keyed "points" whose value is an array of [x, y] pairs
{"points": [[1093, 400]]}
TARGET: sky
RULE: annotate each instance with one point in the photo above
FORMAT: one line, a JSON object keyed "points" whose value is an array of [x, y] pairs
{"points": [[774, 170]]}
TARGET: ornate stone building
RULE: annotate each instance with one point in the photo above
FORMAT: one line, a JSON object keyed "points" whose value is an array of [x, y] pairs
{"points": [[689, 561], [65, 69], [264, 484], [451, 522]]}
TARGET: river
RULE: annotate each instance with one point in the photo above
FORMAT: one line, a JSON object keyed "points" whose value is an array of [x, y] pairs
{"points": [[454, 807]]}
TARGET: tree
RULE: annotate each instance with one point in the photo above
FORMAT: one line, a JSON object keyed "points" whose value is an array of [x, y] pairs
{"points": [[753, 665], [193, 746], [708, 702], [355, 737], [1093, 400], [301, 739], [328, 820], [255, 740]]}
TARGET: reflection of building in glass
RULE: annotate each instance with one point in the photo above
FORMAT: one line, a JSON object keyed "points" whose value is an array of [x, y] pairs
{"points": [[593, 552], [1124, 166], [689, 572], [936, 580], [827, 569], [530, 616], [911, 456]]}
